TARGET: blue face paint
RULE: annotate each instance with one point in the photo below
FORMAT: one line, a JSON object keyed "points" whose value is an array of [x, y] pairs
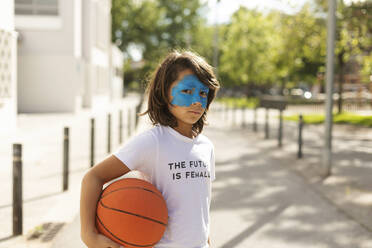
{"points": [[188, 91]]}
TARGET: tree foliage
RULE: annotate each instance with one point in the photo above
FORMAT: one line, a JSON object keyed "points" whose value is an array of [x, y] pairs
{"points": [[255, 49]]}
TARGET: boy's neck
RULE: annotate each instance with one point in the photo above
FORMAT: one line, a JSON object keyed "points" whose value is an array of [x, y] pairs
{"points": [[185, 130]]}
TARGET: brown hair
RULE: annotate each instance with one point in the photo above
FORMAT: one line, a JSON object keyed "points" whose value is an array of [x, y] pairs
{"points": [[166, 73]]}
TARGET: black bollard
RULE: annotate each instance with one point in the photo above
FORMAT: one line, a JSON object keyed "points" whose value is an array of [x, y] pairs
{"points": [[92, 122], [255, 119], [266, 123], [66, 142], [280, 133], [17, 190], [300, 127], [137, 111]]}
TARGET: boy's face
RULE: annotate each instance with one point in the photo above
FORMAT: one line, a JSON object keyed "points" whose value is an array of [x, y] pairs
{"points": [[188, 97]]}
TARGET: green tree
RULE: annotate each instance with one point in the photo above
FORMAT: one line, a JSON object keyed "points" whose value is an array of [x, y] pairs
{"points": [[155, 27], [353, 38], [248, 51], [302, 53]]}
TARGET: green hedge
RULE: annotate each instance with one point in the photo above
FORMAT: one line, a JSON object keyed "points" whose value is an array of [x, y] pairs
{"points": [[343, 118], [239, 102]]}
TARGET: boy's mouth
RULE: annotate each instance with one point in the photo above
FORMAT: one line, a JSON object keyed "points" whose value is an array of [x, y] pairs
{"points": [[195, 112]]}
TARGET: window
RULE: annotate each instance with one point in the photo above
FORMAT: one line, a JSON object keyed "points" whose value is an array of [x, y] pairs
{"points": [[36, 7]]}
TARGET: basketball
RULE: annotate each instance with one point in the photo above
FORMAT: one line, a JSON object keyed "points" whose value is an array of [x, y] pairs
{"points": [[132, 212]]}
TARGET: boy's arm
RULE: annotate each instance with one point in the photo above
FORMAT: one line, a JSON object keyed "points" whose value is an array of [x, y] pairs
{"points": [[91, 188]]}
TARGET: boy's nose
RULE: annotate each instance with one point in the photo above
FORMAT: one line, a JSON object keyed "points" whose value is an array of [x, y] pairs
{"points": [[196, 99], [196, 103]]}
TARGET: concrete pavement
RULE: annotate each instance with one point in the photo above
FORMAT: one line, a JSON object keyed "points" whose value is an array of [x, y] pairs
{"points": [[259, 202], [46, 208]]}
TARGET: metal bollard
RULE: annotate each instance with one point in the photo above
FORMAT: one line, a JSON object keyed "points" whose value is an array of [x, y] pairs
{"points": [[300, 127], [17, 190], [266, 123], [108, 133], [280, 134], [137, 111], [92, 123], [255, 119], [66, 140]]}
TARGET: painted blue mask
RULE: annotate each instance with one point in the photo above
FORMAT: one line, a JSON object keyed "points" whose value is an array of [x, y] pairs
{"points": [[188, 91]]}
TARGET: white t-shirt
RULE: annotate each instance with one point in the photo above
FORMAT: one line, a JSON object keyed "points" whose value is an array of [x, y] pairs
{"points": [[182, 169]]}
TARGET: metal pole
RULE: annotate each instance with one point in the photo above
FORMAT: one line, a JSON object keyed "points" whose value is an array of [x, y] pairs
{"points": [[280, 134], [300, 127], [266, 123], [65, 158], [17, 190], [215, 53], [331, 30], [255, 119]]}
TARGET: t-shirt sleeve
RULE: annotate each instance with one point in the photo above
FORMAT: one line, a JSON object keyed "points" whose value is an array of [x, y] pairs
{"points": [[213, 171], [138, 152]]}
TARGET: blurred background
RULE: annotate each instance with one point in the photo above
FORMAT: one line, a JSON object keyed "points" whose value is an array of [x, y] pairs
{"points": [[257, 47], [96, 51]]}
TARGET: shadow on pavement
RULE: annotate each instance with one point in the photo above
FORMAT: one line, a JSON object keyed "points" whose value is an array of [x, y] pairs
{"points": [[254, 176]]}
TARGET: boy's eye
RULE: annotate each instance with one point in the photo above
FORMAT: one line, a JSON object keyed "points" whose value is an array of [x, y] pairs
{"points": [[187, 91], [203, 93]]}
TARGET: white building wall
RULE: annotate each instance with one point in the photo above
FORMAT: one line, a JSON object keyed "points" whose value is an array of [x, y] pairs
{"points": [[50, 68], [117, 62], [64, 60], [96, 52], [8, 68], [7, 15]]}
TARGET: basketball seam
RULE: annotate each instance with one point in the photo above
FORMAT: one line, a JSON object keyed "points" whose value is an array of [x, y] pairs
{"points": [[131, 187], [137, 215], [119, 238]]}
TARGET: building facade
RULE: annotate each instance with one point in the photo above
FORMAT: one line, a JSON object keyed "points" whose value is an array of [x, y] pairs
{"points": [[64, 54], [117, 63], [8, 68]]}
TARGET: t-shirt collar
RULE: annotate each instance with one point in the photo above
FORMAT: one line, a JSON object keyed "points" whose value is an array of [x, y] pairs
{"points": [[180, 136]]}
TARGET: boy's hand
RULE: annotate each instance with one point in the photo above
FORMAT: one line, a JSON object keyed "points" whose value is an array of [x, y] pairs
{"points": [[96, 240]]}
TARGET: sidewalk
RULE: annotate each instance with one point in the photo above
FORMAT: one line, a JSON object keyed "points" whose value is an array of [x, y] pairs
{"points": [[269, 199], [264, 197], [261, 197], [41, 136]]}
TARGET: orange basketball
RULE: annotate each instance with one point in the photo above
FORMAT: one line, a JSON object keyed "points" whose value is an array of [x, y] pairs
{"points": [[132, 212]]}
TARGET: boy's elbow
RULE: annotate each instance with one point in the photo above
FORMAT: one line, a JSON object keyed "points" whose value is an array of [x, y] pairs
{"points": [[89, 177]]}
